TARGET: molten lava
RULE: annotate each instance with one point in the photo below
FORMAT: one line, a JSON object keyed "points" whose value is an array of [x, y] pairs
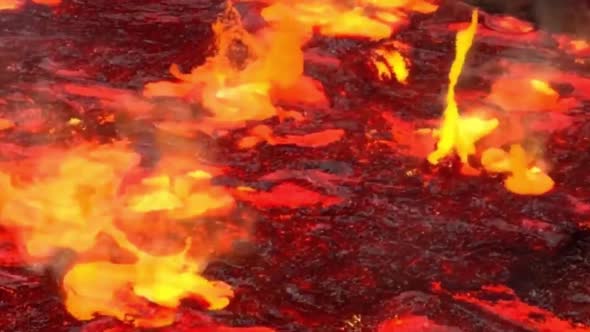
{"points": [[243, 86], [136, 232], [252, 73], [459, 133], [264, 133], [524, 94], [509, 24], [48, 2], [333, 18], [391, 63], [66, 200], [523, 179], [9, 4]]}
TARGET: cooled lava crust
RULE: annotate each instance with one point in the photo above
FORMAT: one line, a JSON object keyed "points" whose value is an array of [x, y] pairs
{"points": [[406, 240]]}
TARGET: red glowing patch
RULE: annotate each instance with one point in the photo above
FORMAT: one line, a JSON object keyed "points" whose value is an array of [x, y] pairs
{"points": [[413, 324], [511, 308], [288, 195]]}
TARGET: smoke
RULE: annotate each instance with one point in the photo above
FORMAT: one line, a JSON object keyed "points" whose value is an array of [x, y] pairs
{"points": [[566, 16]]}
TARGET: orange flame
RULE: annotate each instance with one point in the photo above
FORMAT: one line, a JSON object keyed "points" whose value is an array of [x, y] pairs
{"points": [[6, 124], [580, 48], [16, 4], [391, 63], [509, 24], [461, 133], [523, 94], [264, 133], [48, 2], [332, 18], [523, 179], [9, 4], [238, 87], [67, 199], [251, 74]]}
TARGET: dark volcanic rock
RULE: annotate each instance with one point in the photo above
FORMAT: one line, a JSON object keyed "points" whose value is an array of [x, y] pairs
{"points": [[401, 226]]}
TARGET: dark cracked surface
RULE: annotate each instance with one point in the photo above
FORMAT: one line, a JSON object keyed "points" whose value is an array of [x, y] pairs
{"points": [[402, 228]]}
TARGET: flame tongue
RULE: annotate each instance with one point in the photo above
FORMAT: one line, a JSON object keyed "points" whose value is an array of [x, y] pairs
{"points": [[457, 133]]}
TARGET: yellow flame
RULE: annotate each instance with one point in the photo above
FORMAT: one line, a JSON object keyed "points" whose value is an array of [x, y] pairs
{"points": [[6, 124], [456, 133], [392, 61], [66, 199], [543, 87], [337, 18]]}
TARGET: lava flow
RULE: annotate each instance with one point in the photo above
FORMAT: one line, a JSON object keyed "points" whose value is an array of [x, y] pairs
{"points": [[57, 208], [297, 175]]}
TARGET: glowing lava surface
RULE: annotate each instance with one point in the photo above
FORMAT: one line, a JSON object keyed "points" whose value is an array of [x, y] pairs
{"points": [[374, 165]]}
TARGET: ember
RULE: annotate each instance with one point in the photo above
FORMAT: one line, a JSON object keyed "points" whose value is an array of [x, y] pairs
{"points": [[291, 166]]}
